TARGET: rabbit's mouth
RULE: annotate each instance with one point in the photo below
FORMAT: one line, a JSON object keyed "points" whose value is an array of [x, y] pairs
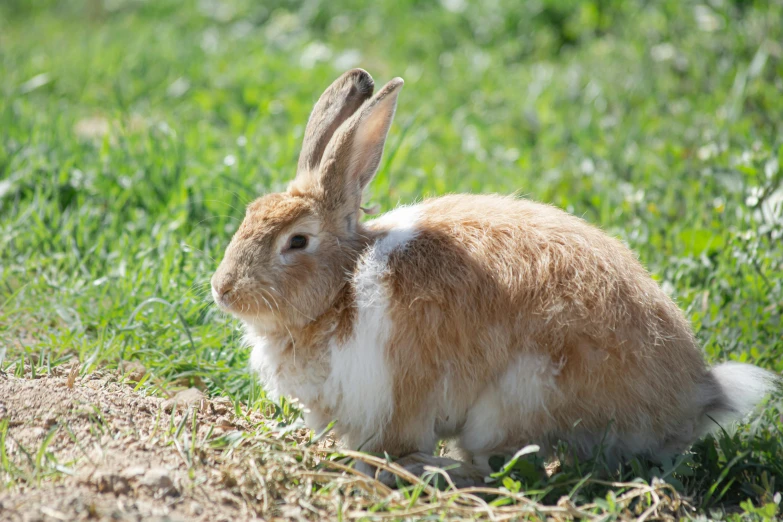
{"points": [[244, 303]]}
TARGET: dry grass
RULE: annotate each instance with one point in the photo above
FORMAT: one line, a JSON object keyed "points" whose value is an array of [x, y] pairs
{"points": [[92, 447]]}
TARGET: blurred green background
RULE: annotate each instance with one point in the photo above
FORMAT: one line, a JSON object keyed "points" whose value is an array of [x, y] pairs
{"points": [[132, 134]]}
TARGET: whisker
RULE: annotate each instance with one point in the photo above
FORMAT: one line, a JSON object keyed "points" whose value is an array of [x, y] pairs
{"points": [[255, 298], [275, 301], [218, 188], [218, 216], [198, 288], [234, 302], [224, 203], [291, 304], [203, 311], [266, 301], [199, 250], [198, 285], [290, 335], [199, 294]]}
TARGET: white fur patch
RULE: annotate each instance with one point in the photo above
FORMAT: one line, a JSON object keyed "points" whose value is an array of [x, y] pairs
{"points": [[264, 360], [500, 418], [302, 381], [523, 390], [401, 224], [359, 387]]}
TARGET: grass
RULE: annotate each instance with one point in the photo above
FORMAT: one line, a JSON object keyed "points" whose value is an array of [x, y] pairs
{"points": [[133, 133]]}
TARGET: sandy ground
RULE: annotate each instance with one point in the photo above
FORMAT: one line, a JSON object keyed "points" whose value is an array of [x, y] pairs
{"points": [[93, 448]]}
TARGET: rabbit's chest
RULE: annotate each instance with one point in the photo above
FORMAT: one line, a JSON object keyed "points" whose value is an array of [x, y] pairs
{"points": [[348, 380], [284, 374]]}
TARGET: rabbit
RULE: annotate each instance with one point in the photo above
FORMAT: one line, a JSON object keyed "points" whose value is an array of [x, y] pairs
{"points": [[492, 321]]}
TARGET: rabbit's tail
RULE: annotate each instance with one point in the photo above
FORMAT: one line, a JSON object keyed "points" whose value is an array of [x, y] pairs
{"points": [[732, 391]]}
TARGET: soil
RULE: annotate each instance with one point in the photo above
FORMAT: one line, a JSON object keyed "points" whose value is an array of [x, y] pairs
{"points": [[93, 448]]}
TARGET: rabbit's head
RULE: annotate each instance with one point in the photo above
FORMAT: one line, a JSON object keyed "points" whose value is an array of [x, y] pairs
{"points": [[288, 259]]}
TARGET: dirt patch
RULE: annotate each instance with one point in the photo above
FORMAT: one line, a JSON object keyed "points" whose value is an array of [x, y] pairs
{"points": [[93, 448]]}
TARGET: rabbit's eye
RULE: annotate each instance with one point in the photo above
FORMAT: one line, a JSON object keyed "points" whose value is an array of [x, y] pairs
{"points": [[297, 242]]}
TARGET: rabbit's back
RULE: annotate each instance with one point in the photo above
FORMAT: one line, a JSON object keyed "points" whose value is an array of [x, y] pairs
{"points": [[490, 292]]}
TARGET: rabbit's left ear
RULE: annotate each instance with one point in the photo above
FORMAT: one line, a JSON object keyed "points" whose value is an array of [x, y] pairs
{"points": [[346, 94], [351, 159]]}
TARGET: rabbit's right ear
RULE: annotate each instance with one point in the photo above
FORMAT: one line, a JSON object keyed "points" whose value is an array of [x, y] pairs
{"points": [[336, 104]]}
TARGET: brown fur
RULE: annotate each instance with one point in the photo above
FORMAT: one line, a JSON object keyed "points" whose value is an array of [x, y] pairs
{"points": [[489, 277]]}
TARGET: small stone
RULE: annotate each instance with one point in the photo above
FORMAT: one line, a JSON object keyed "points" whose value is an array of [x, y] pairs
{"points": [[53, 513], [183, 399], [133, 472], [133, 370], [228, 499], [102, 481], [220, 405], [228, 480], [159, 480], [106, 481], [223, 425], [120, 486], [196, 509]]}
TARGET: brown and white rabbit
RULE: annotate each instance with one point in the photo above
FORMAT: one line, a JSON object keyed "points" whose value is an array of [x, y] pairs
{"points": [[493, 321]]}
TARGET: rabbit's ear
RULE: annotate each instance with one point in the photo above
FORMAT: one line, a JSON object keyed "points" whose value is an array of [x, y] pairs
{"points": [[354, 153], [336, 104]]}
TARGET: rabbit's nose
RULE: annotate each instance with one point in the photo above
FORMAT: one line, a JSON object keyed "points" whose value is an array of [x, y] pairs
{"points": [[221, 289], [225, 292]]}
